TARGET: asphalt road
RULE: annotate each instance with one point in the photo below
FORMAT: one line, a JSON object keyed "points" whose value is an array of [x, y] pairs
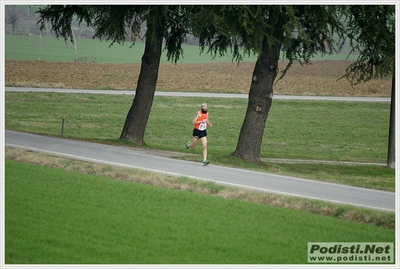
{"points": [[137, 158]]}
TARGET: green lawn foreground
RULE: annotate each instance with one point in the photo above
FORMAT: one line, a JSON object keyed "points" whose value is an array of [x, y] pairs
{"points": [[54, 216], [316, 130]]}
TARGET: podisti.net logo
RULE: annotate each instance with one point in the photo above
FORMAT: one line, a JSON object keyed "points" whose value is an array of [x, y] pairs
{"points": [[361, 252]]}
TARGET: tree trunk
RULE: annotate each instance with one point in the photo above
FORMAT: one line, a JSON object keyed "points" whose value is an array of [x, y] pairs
{"points": [[259, 104], [392, 130], [138, 115], [40, 44], [75, 47]]}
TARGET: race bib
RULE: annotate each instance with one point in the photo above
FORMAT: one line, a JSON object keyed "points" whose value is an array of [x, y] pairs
{"points": [[202, 126]]}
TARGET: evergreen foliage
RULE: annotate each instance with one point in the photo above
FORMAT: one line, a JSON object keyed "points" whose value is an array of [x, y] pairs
{"points": [[371, 32]]}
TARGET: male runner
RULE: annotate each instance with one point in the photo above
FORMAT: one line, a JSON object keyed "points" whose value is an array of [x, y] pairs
{"points": [[200, 123]]}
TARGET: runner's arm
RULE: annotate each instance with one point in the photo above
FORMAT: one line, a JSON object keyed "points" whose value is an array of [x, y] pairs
{"points": [[209, 123], [195, 119]]}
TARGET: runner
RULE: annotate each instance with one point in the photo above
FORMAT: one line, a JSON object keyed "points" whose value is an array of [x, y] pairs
{"points": [[200, 123]]}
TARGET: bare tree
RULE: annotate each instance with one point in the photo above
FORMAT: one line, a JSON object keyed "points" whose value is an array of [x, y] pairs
{"points": [[40, 44], [74, 40], [12, 16]]}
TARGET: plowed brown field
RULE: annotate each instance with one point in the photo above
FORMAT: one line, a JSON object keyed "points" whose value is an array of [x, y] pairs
{"points": [[319, 78]]}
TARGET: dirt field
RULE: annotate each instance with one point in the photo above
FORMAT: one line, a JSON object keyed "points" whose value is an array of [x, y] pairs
{"points": [[320, 78]]}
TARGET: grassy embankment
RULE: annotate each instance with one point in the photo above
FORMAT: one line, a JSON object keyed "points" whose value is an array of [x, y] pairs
{"points": [[65, 217]]}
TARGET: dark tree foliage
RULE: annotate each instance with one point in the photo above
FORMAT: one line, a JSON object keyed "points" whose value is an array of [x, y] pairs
{"points": [[112, 22], [371, 31], [301, 31]]}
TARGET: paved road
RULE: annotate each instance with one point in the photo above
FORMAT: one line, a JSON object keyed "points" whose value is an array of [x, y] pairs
{"points": [[136, 158], [197, 94]]}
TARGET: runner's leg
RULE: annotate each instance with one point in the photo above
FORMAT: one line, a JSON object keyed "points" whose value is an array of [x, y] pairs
{"points": [[204, 144], [194, 142]]}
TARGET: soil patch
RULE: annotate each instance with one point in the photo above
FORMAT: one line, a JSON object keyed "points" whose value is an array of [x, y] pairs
{"points": [[319, 78]]}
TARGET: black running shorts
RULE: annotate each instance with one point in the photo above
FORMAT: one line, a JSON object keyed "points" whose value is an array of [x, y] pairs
{"points": [[199, 134]]}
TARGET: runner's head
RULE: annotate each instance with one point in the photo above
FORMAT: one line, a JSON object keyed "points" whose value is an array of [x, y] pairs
{"points": [[204, 107]]}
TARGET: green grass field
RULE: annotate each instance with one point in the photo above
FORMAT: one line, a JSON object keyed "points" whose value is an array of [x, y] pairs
{"points": [[62, 217], [23, 47]]}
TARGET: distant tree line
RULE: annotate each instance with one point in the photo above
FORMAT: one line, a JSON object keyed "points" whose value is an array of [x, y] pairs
{"points": [[22, 20]]}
